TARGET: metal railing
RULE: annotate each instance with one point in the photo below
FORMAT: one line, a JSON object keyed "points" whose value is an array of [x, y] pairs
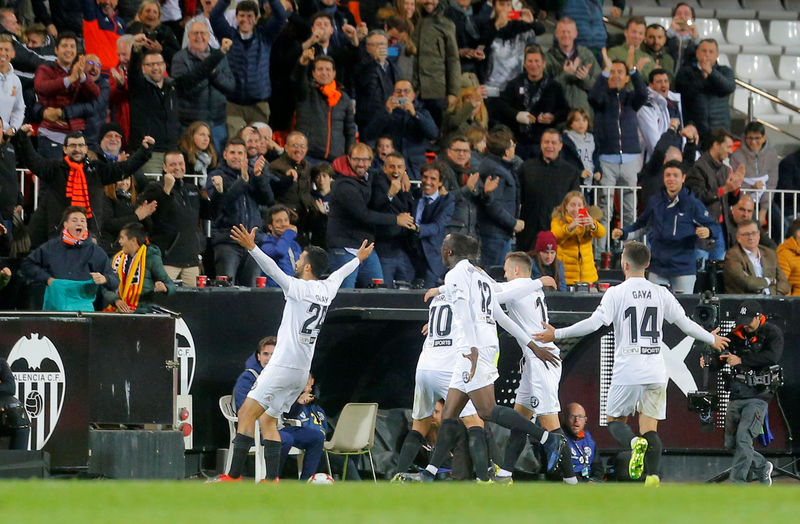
{"points": [[772, 98]]}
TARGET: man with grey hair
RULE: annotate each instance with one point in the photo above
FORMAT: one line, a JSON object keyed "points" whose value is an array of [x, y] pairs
{"points": [[374, 78], [204, 98]]}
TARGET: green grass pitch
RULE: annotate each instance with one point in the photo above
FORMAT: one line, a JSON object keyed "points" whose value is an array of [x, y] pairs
{"points": [[57, 501]]}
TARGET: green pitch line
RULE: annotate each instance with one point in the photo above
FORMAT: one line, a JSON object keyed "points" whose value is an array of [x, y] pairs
{"points": [[105, 501]]}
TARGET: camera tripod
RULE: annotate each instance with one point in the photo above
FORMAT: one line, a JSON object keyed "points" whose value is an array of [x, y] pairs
{"points": [[776, 470]]}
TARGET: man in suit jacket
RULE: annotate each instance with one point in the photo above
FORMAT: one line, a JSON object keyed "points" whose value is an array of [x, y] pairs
{"points": [[750, 268], [432, 212]]}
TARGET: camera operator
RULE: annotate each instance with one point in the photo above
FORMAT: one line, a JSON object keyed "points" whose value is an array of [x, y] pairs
{"points": [[755, 346]]}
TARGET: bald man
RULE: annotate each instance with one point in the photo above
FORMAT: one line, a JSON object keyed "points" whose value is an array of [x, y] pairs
{"points": [[585, 461]]}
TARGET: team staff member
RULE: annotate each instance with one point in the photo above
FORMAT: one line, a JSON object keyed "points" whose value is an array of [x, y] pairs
{"points": [[755, 346], [583, 451]]}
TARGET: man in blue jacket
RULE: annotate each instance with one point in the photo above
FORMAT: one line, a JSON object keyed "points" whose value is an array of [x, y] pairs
{"points": [[249, 58], [617, 130], [432, 212], [280, 243], [675, 219]]}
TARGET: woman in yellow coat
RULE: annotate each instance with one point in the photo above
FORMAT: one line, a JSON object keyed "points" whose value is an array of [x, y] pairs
{"points": [[789, 257], [575, 229]]}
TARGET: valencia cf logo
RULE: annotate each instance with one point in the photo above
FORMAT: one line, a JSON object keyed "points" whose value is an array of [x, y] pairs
{"points": [[185, 354], [465, 376], [534, 402], [41, 384]]}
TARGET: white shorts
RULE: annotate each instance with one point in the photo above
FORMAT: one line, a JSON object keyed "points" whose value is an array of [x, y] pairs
{"points": [[277, 388], [430, 386], [647, 399], [485, 371], [538, 385]]}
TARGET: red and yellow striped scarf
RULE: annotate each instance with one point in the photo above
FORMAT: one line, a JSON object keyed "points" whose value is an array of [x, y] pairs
{"points": [[77, 189], [130, 283]]}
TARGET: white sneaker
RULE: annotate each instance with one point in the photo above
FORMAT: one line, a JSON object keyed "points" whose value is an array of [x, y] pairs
{"points": [[767, 478]]}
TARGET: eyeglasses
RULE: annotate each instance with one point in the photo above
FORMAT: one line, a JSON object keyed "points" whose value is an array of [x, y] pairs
{"points": [[92, 62], [402, 91], [576, 417], [747, 234], [459, 150]]}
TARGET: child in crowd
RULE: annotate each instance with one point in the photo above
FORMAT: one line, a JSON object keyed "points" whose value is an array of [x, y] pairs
{"points": [[545, 260], [574, 229], [579, 146]]}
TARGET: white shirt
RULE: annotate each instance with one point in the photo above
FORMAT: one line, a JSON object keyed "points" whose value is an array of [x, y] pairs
{"points": [[440, 348], [12, 105], [758, 269], [637, 308], [307, 303], [472, 294], [524, 299]]}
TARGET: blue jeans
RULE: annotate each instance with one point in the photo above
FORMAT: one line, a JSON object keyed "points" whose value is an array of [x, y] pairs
{"points": [[493, 251], [396, 267], [310, 440], [678, 283], [368, 270], [237, 264], [719, 249]]}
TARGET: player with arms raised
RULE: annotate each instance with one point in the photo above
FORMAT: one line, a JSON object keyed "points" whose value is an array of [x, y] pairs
{"points": [[286, 374], [637, 308], [538, 385], [475, 313]]}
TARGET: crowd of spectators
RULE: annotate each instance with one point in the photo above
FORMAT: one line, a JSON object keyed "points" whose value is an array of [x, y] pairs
{"points": [[326, 123]]}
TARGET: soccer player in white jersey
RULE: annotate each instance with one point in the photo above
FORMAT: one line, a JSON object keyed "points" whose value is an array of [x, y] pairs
{"points": [[286, 374], [538, 384], [432, 379], [475, 314], [638, 309]]}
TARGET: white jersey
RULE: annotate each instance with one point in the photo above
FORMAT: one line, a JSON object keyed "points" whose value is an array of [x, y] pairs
{"points": [[472, 295], [637, 308], [524, 299], [444, 337], [307, 303]]}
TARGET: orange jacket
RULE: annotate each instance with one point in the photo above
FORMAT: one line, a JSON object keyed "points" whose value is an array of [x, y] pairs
{"points": [[789, 262]]}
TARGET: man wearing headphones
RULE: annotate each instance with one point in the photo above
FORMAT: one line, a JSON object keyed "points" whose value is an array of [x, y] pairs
{"points": [[756, 345]]}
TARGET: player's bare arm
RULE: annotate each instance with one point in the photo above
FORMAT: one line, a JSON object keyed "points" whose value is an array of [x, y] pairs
{"points": [[544, 355], [720, 342], [473, 358], [365, 250], [432, 292], [548, 335]]}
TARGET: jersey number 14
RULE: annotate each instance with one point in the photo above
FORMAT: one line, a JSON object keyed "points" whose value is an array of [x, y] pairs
{"points": [[648, 327]]}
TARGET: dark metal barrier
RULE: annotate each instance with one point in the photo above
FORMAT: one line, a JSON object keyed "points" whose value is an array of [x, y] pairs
{"points": [[368, 348]]}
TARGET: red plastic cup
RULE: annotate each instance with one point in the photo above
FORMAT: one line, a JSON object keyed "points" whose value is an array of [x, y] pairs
{"points": [[605, 258], [261, 281], [202, 280], [603, 286]]}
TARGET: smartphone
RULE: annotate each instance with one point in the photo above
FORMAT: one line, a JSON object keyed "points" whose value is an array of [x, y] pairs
{"points": [[514, 15], [393, 51], [401, 101], [583, 213]]}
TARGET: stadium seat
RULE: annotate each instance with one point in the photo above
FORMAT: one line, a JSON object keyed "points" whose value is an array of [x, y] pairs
{"points": [[229, 412], [789, 69], [766, 5], [786, 34], [762, 108], [793, 97], [749, 35], [724, 60], [735, 13], [664, 21], [792, 8], [354, 435], [757, 70], [711, 28], [650, 10]]}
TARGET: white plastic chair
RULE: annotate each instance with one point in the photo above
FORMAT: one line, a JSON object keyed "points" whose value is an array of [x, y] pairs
{"points": [[711, 28], [663, 21], [723, 59], [757, 70], [763, 109], [789, 68], [750, 35], [793, 97], [787, 34], [354, 435], [228, 411], [765, 5]]}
